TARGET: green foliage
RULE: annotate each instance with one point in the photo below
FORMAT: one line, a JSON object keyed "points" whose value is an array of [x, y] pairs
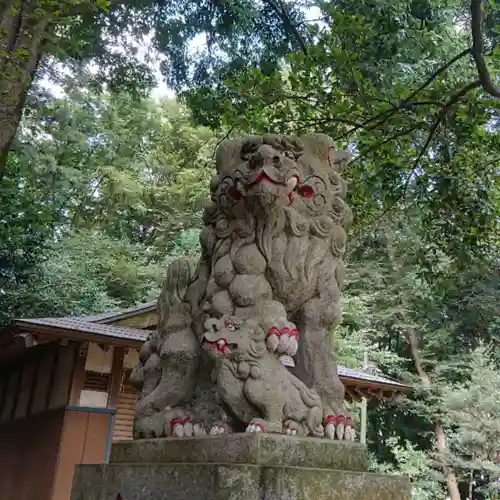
{"points": [[472, 409], [392, 81], [100, 194], [415, 464]]}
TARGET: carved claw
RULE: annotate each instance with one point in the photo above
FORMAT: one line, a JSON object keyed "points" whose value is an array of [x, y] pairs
{"points": [[273, 339], [339, 427], [350, 431], [218, 429], [185, 427], [329, 424], [284, 341], [257, 425], [292, 428]]}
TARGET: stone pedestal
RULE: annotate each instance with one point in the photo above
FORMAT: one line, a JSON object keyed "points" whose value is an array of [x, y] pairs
{"points": [[236, 467]]}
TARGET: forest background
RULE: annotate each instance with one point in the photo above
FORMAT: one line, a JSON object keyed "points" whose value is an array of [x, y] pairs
{"points": [[102, 183]]}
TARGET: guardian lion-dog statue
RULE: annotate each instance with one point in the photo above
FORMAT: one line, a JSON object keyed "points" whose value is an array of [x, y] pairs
{"points": [[271, 251]]}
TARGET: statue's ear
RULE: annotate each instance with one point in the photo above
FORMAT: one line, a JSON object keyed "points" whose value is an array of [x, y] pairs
{"points": [[321, 146], [339, 160], [228, 152]]}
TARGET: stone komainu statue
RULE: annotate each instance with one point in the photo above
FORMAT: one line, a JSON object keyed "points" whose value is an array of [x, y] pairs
{"points": [[272, 250]]}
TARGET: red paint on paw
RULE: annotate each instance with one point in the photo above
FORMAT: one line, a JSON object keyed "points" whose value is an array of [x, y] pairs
{"points": [[330, 419], [176, 421], [285, 331]]}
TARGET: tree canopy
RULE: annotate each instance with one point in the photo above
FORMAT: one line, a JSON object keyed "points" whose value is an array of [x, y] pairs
{"points": [[103, 185]]}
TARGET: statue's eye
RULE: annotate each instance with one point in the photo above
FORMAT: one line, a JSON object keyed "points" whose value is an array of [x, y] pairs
{"points": [[289, 154], [230, 326]]}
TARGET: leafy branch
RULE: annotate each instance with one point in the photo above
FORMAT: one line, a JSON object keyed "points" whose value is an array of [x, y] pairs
{"points": [[478, 49]]}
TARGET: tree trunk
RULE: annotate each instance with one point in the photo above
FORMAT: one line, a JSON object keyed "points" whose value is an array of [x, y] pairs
{"points": [[23, 26], [451, 480]]}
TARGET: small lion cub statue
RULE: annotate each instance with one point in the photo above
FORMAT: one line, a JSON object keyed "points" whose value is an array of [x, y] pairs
{"points": [[258, 389]]}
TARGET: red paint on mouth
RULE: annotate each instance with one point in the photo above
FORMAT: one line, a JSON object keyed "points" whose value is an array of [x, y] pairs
{"points": [[219, 344]]}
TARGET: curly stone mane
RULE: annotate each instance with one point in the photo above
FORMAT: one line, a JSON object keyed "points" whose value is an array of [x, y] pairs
{"points": [[272, 248]]}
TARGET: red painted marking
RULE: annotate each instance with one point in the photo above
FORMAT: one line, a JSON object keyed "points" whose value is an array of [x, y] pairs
{"points": [[285, 331], [178, 420], [214, 344], [118, 496], [330, 419], [273, 331], [306, 191]]}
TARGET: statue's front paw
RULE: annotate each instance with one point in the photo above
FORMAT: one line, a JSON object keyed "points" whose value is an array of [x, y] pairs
{"points": [[185, 426], [260, 425], [293, 428], [339, 427], [218, 429], [283, 339]]}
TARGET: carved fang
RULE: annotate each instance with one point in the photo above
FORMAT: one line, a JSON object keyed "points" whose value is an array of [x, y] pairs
{"points": [[292, 183]]}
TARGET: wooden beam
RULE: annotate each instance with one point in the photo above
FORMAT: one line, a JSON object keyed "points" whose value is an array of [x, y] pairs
{"points": [[78, 376], [116, 376]]}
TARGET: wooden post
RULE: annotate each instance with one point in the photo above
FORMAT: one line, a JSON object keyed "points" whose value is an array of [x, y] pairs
{"points": [[364, 405], [78, 377], [116, 376]]}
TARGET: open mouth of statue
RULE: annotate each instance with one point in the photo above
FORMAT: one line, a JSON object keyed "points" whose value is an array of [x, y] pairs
{"points": [[220, 345], [292, 185]]}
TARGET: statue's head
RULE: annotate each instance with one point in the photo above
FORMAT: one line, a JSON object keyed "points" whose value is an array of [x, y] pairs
{"points": [[264, 173], [233, 338]]}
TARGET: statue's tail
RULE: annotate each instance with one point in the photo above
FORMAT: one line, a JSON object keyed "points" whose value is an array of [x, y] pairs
{"points": [[309, 396], [170, 352], [313, 401]]}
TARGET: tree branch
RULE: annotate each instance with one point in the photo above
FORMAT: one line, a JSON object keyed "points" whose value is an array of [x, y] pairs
{"points": [[454, 99], [282, 13], [478, 49]]}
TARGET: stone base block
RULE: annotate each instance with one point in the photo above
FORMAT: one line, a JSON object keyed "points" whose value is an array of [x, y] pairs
{"points": [[237, 467]]}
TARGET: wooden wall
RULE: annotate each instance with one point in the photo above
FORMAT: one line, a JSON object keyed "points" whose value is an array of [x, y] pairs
{"points": [[38, 454], [28, 458], [40, 380], [85, 439]]}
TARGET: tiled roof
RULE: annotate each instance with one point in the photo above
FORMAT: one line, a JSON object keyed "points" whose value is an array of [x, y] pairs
{"points": [[79, 325], [345, 372], [110, 316]]}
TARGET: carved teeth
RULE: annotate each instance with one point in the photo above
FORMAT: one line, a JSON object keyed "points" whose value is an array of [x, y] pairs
{"points": [[292, 182], [221, 343]]}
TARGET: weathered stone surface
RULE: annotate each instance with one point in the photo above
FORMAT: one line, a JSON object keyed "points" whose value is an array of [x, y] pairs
{"points": [[272, 252], [231, 482], [245, 448]]}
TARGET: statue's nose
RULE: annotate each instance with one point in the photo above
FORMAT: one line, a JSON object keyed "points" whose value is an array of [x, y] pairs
{"points": [[211, 325], [261, 158]]}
